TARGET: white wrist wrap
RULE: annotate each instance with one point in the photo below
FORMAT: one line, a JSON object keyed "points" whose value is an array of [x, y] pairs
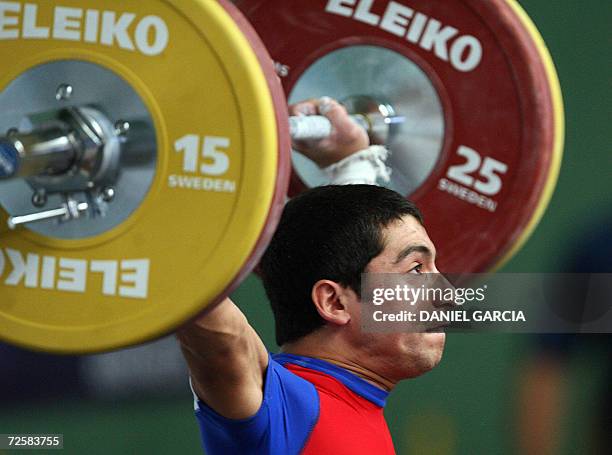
{"points": [[366, 167]]}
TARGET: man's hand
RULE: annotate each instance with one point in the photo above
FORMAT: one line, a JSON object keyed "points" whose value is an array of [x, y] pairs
{"points": [[346, 138]]}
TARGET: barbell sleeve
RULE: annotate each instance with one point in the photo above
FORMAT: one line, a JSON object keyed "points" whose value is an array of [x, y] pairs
{"points": [[54, 149], [50, 150]]}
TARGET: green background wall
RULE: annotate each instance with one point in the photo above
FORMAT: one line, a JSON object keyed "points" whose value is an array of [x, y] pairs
{"points": [[466, 405]]}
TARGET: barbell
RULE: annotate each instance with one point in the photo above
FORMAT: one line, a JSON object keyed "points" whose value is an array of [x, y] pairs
{"points": [[147, 151]]}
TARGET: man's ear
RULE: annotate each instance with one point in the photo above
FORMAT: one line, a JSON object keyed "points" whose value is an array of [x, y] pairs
{"points": [[330, 300]]}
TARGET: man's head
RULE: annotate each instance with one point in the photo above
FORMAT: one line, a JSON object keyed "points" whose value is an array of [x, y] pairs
{"points": [[326, 239]]}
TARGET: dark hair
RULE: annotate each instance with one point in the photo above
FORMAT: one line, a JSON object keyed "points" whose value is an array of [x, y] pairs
{"points": [[328, 232]]}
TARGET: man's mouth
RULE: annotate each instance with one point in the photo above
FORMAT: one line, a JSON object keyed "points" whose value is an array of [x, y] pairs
{"points": [[440, 328], [437, 329]]}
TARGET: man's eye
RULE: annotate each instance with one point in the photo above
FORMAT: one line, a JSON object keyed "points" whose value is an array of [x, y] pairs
{"points": [[416, 269]]}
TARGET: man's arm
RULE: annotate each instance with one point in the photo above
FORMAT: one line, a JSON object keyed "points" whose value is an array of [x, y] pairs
{"points": [[227, 360]]}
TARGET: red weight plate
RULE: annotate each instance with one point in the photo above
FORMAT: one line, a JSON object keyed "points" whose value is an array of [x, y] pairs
{"points": [[500, 100]]}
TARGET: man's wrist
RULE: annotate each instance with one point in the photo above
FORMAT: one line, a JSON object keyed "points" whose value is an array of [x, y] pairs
{"points": [[367, 166]]}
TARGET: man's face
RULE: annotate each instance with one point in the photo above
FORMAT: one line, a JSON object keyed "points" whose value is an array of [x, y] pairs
{"points": [[408, 249]]}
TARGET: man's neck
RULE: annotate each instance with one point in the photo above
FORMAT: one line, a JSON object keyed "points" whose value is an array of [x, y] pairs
{"points": [[333, 351]]}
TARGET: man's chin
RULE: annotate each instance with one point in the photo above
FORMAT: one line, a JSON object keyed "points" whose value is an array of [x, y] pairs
{"points": [[430, 356]]}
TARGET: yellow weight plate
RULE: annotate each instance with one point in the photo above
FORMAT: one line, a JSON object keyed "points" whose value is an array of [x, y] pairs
{"points": [[214, 184]]}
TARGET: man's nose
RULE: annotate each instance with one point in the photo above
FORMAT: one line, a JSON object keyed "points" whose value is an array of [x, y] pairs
{"points": [[446, 288]]}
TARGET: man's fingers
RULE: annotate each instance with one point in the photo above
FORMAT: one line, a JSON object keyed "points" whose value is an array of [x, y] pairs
{"points": [[308, 107], [337, 115], [326, 104], [331, 108], [322, 106]]}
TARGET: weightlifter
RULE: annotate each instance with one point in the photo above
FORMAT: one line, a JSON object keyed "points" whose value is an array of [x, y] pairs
{"points": [[325, 392]]}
